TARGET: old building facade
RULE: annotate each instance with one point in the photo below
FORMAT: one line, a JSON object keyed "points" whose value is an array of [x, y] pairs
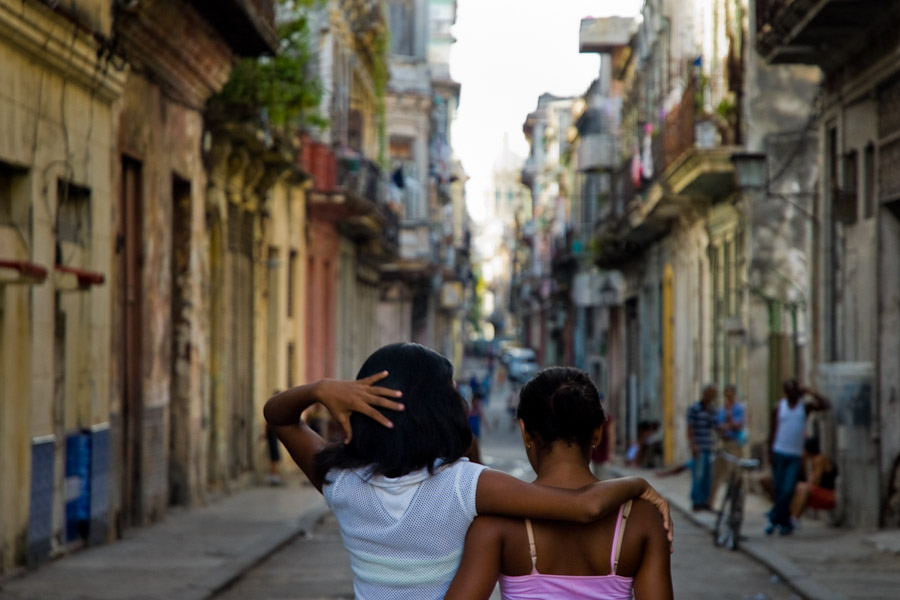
{"points": [[675, 272], [424, 293], [855, 292], [56, 206], [103, 201]]}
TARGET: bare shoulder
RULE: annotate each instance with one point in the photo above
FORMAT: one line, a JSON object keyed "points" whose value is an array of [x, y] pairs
{"points": [[645, 517]]}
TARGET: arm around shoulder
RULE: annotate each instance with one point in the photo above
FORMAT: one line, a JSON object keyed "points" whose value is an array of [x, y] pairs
{"points": [[501, 494]]}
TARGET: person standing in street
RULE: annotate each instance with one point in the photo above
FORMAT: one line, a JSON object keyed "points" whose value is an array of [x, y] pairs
{"points": [[787, 433], [731, 427], [701, 425]]}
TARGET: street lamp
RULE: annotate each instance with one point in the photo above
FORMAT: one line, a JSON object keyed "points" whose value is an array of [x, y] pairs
{"points": [[609, 295], [750, 170]]}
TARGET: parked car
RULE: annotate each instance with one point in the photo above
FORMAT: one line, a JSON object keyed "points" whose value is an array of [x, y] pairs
{"points": [[508, 352], [522, 365]]}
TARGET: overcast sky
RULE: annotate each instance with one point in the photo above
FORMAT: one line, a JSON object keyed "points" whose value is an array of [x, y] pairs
{"points": [[509, 52]]}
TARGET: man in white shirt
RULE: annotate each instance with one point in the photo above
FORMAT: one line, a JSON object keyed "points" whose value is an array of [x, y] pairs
{"points": [[786, 435]]}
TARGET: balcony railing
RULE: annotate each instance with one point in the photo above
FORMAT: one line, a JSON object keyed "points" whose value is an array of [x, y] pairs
{"points": [[623, 191], [767, 11], [364, 180], [679, 126], [362, 177], [319, 161], [597, 151], [805, 31]]}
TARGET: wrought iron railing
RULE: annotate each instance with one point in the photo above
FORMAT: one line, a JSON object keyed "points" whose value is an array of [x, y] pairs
{"points": [[767, 11], [364, 179], [679, 126], [360, 176]]}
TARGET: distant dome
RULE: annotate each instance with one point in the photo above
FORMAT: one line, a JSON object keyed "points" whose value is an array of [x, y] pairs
{"points": [[508, 160]]}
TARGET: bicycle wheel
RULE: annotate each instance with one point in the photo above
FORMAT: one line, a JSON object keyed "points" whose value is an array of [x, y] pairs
{"points": [[722, 532], [736, 517], [730, 515]]}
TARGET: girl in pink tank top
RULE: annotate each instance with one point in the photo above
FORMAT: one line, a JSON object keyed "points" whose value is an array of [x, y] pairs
{"points": [[623, 556]]}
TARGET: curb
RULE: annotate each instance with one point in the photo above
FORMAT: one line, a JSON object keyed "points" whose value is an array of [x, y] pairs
{"points": [[224, 577], [799, 580]]}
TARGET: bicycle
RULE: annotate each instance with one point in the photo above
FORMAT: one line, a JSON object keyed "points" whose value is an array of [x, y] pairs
{"points": [[727, 531]]}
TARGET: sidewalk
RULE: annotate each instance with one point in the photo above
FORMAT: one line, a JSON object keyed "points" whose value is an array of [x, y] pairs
{"points": [[820, 562], [190, 555]]}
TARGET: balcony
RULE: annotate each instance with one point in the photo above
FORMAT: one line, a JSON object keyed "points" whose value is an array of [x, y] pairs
{"points": [[362, 186], [247, 25], [691, 167], [605, 36], [597, 152], [351, 191], [698, 165], [816, 32]]}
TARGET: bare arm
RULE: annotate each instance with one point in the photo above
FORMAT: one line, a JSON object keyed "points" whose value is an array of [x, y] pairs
{"points": [[819, 402], [818, 469], [653, 579], [501, 494], [773, 426], [341, 398], [480, 565]]}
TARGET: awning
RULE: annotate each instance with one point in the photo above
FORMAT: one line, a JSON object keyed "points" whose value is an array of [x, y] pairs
{"points": [[21, 272], [72, 278]]}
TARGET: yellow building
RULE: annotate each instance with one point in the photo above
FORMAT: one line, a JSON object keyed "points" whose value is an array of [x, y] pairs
{"points": [[102, 246], [57, 89]]}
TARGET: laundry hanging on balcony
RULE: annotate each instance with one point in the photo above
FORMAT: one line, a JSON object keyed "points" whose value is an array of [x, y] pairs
{"points": [[647, 153]]}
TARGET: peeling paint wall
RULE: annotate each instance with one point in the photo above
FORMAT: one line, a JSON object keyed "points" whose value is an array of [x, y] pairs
{"points": [[781, 121], [685, 250], [164, 137], [56, 116]]}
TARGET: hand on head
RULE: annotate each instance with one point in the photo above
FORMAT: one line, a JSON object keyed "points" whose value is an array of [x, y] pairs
{"points": [[343, 398]]}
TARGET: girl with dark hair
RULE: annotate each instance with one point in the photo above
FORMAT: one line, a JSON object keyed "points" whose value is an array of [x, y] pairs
{"points": [[561, 420], [402, 492]]}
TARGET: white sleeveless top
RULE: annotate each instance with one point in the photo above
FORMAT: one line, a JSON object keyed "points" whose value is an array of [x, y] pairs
{"points": [[791, 429], [404, 534]]}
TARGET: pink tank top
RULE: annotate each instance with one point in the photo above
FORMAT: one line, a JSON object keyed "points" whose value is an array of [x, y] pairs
{"points": [[537, 586]]}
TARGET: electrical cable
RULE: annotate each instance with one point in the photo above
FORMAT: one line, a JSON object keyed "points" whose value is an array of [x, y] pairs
{"points": [[815, 113]]}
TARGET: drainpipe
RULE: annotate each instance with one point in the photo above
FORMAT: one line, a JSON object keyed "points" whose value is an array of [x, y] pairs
{"points": [[774, 307]]}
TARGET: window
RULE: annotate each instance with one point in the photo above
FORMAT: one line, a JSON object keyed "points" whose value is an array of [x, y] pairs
{"points": [[5, 197], [869, 191], [292, 275], [402, 27], [73, 214], [14, 205], [402, 155], [290, 365]]}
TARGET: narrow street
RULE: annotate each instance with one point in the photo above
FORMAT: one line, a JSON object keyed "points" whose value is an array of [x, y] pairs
{"points": [[316, 566]]}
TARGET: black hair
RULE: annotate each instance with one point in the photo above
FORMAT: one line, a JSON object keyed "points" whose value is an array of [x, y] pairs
{"points": [[812, 446], [433, 426], [561, 404]]}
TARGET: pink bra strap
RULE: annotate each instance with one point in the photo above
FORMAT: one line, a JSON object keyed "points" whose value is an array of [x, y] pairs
{"points": [[624, 511], [532, 547]]}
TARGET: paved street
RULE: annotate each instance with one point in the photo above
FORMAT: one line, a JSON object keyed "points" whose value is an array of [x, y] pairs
{"points": [[281, 542]]}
